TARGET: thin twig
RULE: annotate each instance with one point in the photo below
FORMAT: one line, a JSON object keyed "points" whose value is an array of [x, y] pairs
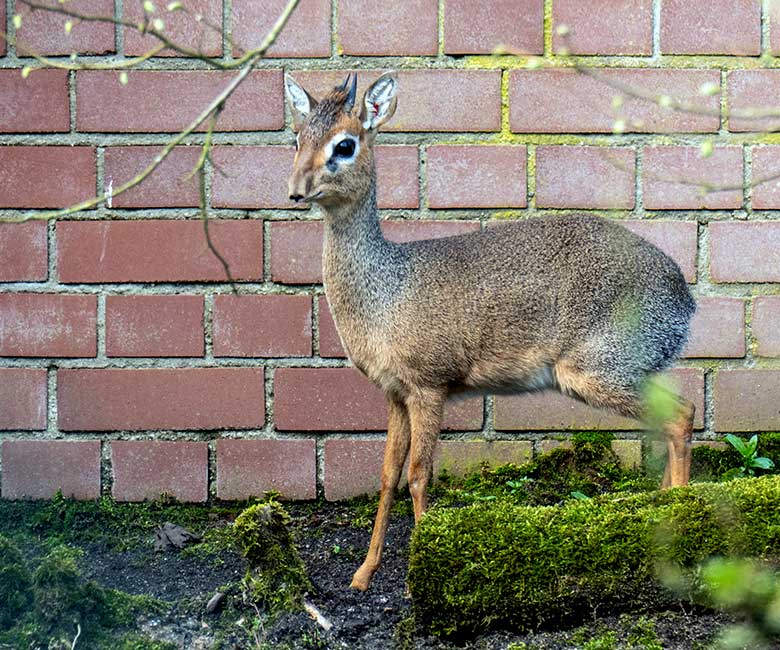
{"points": [[76, 638]]}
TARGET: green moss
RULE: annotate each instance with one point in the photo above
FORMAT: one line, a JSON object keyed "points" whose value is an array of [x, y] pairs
{"points": [[503, 564], [276, 577], [15, 584], [708, 463]]}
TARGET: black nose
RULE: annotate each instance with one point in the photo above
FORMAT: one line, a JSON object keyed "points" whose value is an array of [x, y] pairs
{"points": [[296, 197]]}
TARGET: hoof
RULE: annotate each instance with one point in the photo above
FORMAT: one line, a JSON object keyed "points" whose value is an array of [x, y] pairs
{"points": [[362, 579]]}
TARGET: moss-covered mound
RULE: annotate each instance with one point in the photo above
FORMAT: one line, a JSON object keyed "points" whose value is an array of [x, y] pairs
{"points": [[15, 584], [500, 564]]}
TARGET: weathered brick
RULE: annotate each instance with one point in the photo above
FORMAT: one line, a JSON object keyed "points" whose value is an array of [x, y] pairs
{"points": [[377, 28], [36, 104], [604, 26], [2, 22], [46, 177], [702, 27], [751, 93], [252, 177], [481, 27], [567, 101], [678, 239], [431, 100], [157, 251], [296, 246], [37, 469], [147, 469], [745, 252], [330, 343], [677, 178], [765, 180], [629, 453], [550, 411], [262, 326], [766, 334], [43, 32], [306, 34], [171, 185], [485, 176], [746, 400], [154, 326], [167, 100], [342, 399], [181, 27], [397, 173], [160, 398], [774, 27], [250, 468], [717, 329], [353, 467], [23, 399], [47, 325], [585, 177], [24, 252]]}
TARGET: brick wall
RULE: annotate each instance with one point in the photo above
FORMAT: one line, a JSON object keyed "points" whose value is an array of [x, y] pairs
{"points": [[126, 365]]}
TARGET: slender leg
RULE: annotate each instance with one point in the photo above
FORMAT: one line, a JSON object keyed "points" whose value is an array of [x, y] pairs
{"points": [[678, 439], [425, 413], [396, 450]]}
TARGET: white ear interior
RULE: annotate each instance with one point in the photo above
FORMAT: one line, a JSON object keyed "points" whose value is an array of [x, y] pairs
{"points": [[297, 96], [379, 100]]}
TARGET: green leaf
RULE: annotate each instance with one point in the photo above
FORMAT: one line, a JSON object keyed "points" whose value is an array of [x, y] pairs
{"points": [[580, 496], [763, 462], [752, 444], [738, 444]]}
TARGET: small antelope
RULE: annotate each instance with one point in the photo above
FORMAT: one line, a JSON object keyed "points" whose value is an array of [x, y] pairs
{"points": [[572, 303]]}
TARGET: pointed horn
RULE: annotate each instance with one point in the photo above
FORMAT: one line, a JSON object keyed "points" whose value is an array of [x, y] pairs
{"points": [[350, 85]]}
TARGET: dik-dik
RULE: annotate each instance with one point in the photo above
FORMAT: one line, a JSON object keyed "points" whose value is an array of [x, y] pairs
{"points": [[572, 303]]}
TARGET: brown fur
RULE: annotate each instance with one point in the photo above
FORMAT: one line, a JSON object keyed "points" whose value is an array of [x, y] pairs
{"points": [[571, 303]]}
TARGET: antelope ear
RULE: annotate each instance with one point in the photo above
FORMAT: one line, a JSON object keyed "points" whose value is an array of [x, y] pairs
{"points": [[301, 102], [379, 101]]}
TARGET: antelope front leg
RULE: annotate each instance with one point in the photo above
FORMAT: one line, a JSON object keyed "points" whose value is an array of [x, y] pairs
{"points": [[425, 413], [678, 437], [396, 449]]}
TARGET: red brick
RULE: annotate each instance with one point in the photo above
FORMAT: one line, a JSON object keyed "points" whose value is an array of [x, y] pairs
{"points": [[397, 173], [171, 185], [675, 178], [330, 343], [154, 326], [766, 334], [746, 400], [765, 180], [711, 27], [342, 399], [262, 326], [36, 104], [167, 101], [717, 329], [250, 468], [160, 398], [429, 100], [353, 467], [481, 27], [584, 177], [252, 177], [146, 469], [306, 34], [745, 252], [567, 101], [550, 411], [774, 27], [157, 251], [43, 32], [484, 176], [23, 250], [180, 28], [678, 239], [378, 28], [47, 325], [46, 177], [37, 469], [296, 246], [604, 26], [23, 399], [752, 92]]}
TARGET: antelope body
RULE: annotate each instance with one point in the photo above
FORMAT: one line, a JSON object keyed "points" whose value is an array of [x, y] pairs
{"points": [[572, 303]]}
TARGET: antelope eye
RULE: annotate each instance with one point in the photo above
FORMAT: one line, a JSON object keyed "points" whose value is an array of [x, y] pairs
{"points": [[345, 148]]}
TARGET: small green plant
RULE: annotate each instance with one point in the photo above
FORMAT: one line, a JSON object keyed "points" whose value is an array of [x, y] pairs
{"points": [[751, 461]]}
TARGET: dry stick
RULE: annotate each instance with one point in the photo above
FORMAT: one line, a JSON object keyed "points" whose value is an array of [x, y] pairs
{"points": [[218, 101]]}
